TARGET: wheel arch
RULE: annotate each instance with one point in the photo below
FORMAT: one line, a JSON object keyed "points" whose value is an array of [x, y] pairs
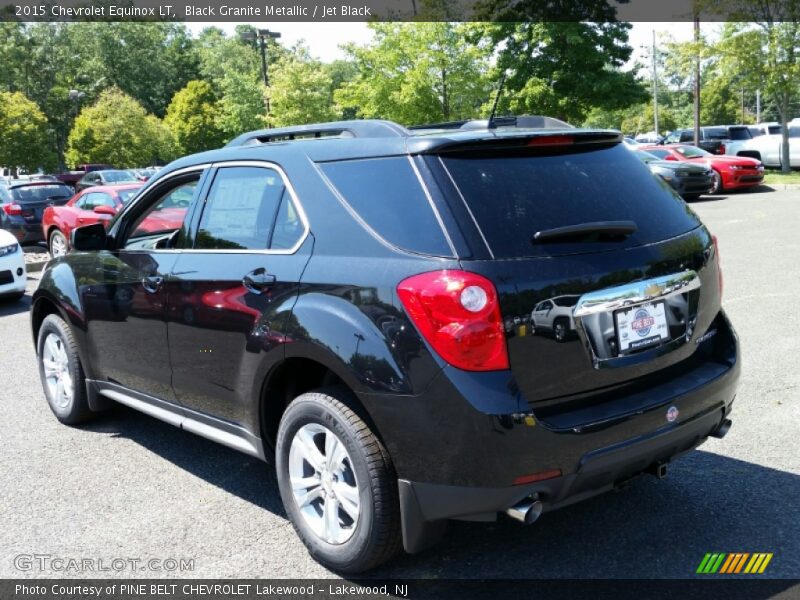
{"points": [[296, 375]]}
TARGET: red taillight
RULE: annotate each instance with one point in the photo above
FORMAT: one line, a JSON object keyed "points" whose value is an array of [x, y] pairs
{"points": [[457, 313], [551, 140], [721, 149], [13, 210], [719, 263]]}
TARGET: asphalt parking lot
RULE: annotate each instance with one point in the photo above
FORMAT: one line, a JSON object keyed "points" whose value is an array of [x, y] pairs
{"points": [[130, 486]]}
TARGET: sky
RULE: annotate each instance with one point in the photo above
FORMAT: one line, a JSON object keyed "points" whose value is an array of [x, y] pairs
{"points": [[324, 39]]}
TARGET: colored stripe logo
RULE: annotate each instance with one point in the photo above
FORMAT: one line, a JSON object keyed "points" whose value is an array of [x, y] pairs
{"points": [[731, 563]]}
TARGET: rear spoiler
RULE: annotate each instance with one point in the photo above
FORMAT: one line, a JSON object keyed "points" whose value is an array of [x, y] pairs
{"points": [[516, 140]]}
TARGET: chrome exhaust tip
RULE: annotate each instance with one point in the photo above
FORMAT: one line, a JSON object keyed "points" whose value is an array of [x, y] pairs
{"points": [[721, 431], [526, 511]]}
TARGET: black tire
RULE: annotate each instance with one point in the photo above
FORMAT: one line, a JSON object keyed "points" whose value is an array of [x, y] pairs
{"points": [[376, 536], [75, 409], [717, 187], [561, 329]]}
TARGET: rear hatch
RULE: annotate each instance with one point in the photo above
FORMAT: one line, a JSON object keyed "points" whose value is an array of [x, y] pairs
{"points": [[34, 198], [604, 274]]}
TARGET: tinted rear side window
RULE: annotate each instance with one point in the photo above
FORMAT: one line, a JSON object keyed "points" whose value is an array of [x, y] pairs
{"points": [[513, 196], [716, 133], [740, 133], [387, 195]]}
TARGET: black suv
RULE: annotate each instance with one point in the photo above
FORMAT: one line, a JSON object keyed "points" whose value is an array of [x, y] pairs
{"points": [[336, 297]]}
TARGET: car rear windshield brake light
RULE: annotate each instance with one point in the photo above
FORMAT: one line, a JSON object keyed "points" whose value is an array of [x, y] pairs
{"points": [[458, 314], [552, 140]]}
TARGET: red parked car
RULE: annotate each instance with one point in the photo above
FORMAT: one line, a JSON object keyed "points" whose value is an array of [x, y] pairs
{"points": [[92, 205], [730, 172]]}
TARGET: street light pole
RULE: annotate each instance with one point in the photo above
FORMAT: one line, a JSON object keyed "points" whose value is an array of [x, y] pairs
{"points": [[262, 36], [655, 86], [696, 77]]}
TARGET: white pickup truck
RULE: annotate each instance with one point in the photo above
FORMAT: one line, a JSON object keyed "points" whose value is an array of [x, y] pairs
{"points": [[766, 143]]}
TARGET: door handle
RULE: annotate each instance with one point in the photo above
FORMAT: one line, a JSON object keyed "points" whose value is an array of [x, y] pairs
{"points": [[258, 281], [152, 284]]}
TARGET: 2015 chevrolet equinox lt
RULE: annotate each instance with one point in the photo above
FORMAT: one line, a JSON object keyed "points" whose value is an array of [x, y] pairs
{"points": [[354, 299]]}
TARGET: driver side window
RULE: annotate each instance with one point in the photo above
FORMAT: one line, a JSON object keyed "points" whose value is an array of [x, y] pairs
{"points": [[162, 225]]}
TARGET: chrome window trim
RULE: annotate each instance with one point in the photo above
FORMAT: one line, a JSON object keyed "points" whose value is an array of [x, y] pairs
{"points": [[263, 164], [243, 163], [359, 219], [614, 298], [469, 210], [432, 204]]}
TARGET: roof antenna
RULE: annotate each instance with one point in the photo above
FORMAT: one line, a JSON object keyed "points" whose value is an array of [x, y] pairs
{"points": [[491, 124]]}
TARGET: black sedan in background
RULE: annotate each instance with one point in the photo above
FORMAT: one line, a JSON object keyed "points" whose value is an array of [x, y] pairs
{"points": [[689, 180], [105, 177], [22, 204]]}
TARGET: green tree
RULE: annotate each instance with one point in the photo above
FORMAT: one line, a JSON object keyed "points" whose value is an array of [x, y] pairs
{"points": [[341, 72], [765, 52], [242, 104], [148, 61], [562, 69], [417, 73], [23, 134], [192, 118], [719, 103], [300, 90], [117, 130], [639, 119], [233, 67]]}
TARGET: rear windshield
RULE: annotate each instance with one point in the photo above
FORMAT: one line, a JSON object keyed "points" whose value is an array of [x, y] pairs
{"points": [[40, 193], [513, 196], [387, 195]]}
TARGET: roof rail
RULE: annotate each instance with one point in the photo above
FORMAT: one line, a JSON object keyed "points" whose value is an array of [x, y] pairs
{"points": [[522, 122], [367, 128]]}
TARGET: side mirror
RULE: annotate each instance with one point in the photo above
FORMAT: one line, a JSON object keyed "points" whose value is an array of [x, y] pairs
{"points": [[104, 209], [89, 238]]}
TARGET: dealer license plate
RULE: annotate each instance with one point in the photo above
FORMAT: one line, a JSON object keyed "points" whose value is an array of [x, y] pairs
{"points": [[641, 327]]}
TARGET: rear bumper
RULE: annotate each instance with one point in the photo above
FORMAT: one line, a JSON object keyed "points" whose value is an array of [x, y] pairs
{"points": [[423, 504], [455, 461]]}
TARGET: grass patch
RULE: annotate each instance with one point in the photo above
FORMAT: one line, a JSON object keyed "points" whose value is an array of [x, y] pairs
{"points": [[778, 177]]}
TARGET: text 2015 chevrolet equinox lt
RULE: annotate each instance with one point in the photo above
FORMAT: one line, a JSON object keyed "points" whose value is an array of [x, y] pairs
{"points": [[334, 296]]}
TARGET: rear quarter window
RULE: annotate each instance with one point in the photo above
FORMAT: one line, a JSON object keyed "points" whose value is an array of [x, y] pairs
{"points": [[514, 195], [388, 196], [739, 133]]}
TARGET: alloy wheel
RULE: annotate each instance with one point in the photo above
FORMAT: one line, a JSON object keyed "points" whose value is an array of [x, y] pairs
{"points": [[58, 245], [324, 484], [58, 377]]}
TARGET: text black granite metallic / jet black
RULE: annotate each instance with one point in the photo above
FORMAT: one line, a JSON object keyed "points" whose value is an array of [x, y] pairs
{"points": [[416, 325]]}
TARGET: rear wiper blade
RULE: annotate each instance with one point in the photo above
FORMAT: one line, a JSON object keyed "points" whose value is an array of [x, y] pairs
{"points": [[593, 231]]}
